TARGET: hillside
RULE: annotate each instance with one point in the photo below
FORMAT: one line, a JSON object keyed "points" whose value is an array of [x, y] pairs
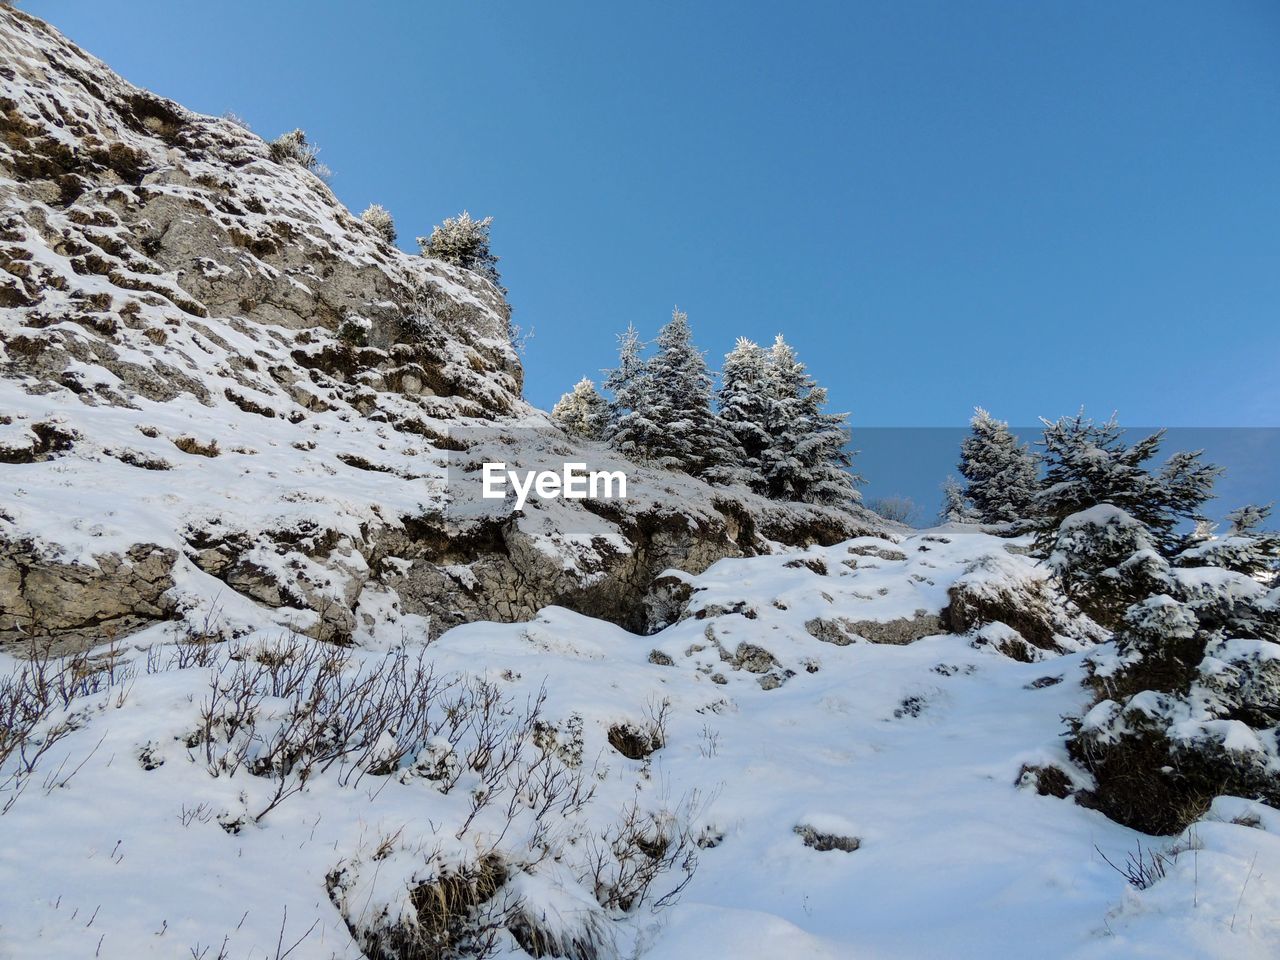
{"points": [[221, 392], [271, 686]]}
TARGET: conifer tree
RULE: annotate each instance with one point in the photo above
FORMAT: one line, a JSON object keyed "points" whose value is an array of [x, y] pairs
{"points": [[1002, 475], [1107, 518], [744, 404], [582, 412], [631, 429], [1091, 464], [806, 458], [1244, 549], [690, 436], [464, 242], [956, 507]]}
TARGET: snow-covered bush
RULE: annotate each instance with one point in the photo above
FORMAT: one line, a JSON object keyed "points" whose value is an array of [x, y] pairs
{"points": [[463, 242], [294, 146], [582, 412], [1188, 699], [1196, 623], [379, 217], [1106, 560], [1002, 475]]}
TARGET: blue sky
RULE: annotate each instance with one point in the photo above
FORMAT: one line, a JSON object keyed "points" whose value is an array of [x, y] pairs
{"points": [[1025, 205]]}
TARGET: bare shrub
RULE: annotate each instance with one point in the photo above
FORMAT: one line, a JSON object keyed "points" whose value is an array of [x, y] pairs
{"points": [[1142, 868], [627, 859], [896, 509], [31, 698]]}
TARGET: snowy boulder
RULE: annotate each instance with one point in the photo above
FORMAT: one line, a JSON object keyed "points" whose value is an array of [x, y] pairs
{"points": [[1002, 588]]}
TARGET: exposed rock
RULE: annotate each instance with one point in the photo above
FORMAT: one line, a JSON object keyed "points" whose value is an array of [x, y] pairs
{"points": [[996, 589], [45, 598], [1048, 780], [842, 631], [832, 630], [753, 659], [823, 842]]}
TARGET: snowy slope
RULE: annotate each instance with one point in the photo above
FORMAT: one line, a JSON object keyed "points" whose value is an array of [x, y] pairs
{"points": [[228, 413], [124, 844]]}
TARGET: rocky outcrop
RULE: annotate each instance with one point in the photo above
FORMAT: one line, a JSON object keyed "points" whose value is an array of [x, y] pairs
{"points": [[43, 596], [205, 357], [1032, 614], [842, 631]]}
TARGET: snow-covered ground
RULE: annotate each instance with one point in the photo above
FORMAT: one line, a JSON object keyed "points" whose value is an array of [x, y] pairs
{"points": [[123, 843]]}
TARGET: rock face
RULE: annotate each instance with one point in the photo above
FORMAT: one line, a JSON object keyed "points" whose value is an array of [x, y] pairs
{"points": [[111, 596], [224, 397]]}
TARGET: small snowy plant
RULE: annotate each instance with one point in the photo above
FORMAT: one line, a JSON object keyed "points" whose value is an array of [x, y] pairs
{"points": [[582, 412], [294, 146], [463, 242], [956, 507], [379, 218], [1001, 475], [1245, 549]]}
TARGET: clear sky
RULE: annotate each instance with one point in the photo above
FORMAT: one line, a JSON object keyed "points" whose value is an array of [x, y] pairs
{"points": [[1024, 205]]}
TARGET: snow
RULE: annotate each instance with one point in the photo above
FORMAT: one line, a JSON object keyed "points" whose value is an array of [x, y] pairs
{"points": [[126, 842], [956, 860]]}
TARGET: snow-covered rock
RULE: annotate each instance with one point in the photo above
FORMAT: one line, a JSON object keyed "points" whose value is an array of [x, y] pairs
{"points": [[206, 358]]}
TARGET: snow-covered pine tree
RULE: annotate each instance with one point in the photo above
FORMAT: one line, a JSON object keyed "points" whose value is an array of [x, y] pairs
{"points": [[1244, 549], [807, 457], [631, 429], [690, 437], [1107, 520], [744, 405], [1091, 464], [956, 507], [1002, 475], [582, 412]]}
